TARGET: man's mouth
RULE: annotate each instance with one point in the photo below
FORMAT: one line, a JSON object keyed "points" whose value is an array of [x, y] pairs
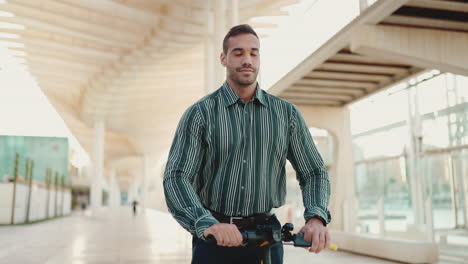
{"points": [[246, 70]]}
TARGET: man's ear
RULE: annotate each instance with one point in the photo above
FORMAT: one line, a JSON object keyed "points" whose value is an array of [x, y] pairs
{"points": [[222, 58]]}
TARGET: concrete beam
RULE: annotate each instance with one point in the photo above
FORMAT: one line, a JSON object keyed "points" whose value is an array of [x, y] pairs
{"points": [[327, 90], [336, 120]]}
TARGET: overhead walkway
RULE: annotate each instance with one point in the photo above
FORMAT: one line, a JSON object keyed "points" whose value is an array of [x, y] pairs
{"points": [[389, 42]]}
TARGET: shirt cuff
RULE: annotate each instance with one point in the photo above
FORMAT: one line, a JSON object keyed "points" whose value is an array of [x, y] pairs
{"points": [[323, 215], [203, 223]]}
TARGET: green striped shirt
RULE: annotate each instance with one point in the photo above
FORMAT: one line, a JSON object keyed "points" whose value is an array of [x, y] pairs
{"points": [[230, 157]]}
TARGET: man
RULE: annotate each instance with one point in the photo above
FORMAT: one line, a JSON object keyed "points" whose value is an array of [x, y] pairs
{"points": [[226, 167]]}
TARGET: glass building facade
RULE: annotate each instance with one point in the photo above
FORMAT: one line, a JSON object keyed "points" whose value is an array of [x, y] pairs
{"points": [[422, 140]]}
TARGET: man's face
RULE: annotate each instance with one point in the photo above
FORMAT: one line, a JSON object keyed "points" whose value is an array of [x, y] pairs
{"points": [[242, 59]]}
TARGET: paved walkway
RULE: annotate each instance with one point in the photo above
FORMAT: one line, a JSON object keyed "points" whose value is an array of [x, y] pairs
{"points": [[118, 237]]}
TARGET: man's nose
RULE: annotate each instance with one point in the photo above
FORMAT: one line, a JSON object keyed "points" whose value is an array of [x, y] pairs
{"points": [[247, 61]]}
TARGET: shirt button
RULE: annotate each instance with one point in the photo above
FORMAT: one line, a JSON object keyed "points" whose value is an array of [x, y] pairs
{"points": [[242, 187], [245, 161], [239, 213]]}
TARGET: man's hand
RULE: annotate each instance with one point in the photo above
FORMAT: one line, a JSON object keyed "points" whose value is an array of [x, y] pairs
{"points": [[315, 232], [225, 234]]}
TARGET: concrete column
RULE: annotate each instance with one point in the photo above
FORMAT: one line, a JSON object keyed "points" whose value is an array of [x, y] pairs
{"points": [[413, 152], [220, 30], [234, 12], [114, 191], [343, 203], [429, 221], [210, 58], [145, 181], [381, 215], [130, 193], [344, 169], [157, 191], [133, 191], [217, 27], [98, 164]]}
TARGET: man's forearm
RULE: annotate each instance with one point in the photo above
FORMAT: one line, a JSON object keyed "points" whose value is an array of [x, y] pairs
{"points": [[316, 196], [184, 205]]}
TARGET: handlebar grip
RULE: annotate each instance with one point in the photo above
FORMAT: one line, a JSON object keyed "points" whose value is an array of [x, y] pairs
{"points": [[246, 236], [300, 242], [211, 240]]}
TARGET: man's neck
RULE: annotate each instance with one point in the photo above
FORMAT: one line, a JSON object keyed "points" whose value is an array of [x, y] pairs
{"points": [[245, 92]]}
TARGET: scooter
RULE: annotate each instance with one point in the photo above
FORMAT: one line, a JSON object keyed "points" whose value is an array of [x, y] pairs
{"points": [[267, 235]]}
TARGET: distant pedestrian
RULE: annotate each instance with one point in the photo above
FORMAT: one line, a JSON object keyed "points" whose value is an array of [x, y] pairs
{"points": [[134, 205]]}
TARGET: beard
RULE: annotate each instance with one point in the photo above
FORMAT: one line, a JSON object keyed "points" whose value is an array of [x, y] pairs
{"points": [[235, 75]]}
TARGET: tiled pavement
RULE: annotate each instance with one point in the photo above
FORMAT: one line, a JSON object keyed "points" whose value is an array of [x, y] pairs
{"points": [[115, 236]]}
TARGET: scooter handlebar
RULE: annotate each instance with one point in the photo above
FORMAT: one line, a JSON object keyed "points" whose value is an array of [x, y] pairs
{"points": [[248, 236]]}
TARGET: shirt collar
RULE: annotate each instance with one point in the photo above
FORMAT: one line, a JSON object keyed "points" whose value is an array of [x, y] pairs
{"points": [[230, 97]]}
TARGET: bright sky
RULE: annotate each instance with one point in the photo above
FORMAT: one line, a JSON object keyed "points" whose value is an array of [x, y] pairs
{"points": [[310, 24], [24, 110]]}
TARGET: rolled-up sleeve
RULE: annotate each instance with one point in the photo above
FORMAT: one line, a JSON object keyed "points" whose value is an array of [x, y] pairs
{"points": [[184, 162], [310, 169]]}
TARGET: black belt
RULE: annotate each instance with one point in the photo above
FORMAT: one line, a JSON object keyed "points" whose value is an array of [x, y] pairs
{"points": [[243, 221]]}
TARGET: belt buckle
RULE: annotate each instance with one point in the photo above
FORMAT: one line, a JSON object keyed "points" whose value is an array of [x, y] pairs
{"points": [[233, 218]]}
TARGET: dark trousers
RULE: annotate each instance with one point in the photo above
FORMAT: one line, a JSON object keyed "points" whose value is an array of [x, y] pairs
{"points": [[205, 253]]}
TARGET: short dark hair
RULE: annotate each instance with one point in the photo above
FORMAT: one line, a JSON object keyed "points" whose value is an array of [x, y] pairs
{"points": [[237, 30]]}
